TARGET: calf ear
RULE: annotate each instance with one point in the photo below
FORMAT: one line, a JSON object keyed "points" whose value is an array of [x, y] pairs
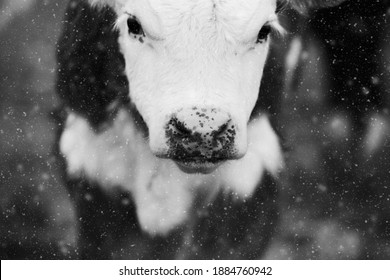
{"points": [[305, 5]]}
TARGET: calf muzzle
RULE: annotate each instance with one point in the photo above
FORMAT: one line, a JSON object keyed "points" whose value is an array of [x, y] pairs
{"points": [[200, 139]]}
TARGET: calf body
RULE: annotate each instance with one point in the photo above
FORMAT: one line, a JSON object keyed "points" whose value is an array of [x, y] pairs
{"points": [[168, 148]]}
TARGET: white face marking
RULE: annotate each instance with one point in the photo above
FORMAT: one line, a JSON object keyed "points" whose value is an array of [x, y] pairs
{"points": [[195, 53]]}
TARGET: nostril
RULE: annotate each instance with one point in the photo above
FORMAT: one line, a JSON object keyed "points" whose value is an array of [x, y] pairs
{"points": [[222, 129], [180, 128]]}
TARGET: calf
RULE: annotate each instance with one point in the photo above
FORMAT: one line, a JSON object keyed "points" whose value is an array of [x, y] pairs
{"points": [[167, 142]]}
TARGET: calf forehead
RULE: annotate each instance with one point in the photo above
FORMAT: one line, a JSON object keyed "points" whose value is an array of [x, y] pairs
{"points": [[201, 23], [232, 12], [235, 5]]}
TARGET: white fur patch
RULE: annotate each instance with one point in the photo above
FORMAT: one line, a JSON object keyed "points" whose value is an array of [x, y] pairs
{"points": [[162, 193], [264, 154], [102, 157]]}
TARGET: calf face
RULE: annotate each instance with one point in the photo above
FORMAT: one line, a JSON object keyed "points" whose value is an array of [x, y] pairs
{"points": [[194, 69]]}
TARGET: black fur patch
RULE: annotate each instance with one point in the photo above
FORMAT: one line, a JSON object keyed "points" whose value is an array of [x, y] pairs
{"points": [[271, 88], [91, 69]]}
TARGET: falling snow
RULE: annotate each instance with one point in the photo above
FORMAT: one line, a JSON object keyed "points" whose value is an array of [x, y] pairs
{"points": [[335, 198]]}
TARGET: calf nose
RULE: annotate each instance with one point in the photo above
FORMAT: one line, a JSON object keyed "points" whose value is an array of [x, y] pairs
{"points": [[201, 134]]}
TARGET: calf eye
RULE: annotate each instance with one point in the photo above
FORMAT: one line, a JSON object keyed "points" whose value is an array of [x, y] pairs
{"points": [[134, 26], [263, 34]]}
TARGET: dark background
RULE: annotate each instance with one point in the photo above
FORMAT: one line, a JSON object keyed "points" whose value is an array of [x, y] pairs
{"points": [[335, 201]]}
